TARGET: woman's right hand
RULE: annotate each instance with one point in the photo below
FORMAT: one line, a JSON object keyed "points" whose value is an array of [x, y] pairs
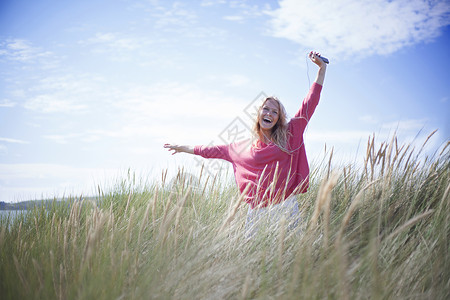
{"points": [[179, 148], [315, 58]]}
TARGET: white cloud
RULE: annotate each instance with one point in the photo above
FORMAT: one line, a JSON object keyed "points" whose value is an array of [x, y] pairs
{"points": [[413, 125], [7, 103], [402, 128], [22, 50], [245, 11], [66, 94], [236, 80], [173, 112], [368, 119], [351, 27], [212, 2], [178, 15], [62, 138], [113, 41], [234, 18], [180, 20], [333, 137], [117, 46], [52, 103], [13, 141], [173, 101], [3, 150], [161, 112]]}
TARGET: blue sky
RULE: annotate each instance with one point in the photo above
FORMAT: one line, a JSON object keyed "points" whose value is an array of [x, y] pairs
{"points": [[89, 89]]}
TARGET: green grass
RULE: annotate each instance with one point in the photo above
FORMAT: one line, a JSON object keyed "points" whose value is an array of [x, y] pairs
{"points": [[378, 231]]}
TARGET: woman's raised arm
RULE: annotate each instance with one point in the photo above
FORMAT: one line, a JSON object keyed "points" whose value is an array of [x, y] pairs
{"points": [[315, 58]]}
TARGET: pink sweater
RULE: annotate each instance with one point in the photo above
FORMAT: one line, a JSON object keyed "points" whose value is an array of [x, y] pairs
{"points": [[272, 175]]}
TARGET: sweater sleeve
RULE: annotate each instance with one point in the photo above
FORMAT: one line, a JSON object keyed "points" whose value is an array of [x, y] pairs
{"points": [[309, 103], [221, 151]]}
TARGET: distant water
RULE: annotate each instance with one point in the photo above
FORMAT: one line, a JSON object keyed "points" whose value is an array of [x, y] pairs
{"points": [[12, 213]]}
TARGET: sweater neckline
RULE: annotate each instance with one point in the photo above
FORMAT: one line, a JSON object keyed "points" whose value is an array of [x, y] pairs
{"points": [[258, 145]]}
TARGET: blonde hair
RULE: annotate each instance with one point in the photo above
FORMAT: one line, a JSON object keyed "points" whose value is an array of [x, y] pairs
{"points": [[279, 132]]}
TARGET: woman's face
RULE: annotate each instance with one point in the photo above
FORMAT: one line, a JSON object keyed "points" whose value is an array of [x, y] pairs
{"points": [[269, 115]]}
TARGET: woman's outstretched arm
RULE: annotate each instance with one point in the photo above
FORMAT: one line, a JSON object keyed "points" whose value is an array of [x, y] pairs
{"points": [[179, 148], [315, 58]]}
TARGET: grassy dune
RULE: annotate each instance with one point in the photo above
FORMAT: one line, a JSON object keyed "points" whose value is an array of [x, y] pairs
{"points": [[378, 231]]}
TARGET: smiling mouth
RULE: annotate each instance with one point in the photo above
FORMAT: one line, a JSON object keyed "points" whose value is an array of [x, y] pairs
{"points": [[267, 120]]}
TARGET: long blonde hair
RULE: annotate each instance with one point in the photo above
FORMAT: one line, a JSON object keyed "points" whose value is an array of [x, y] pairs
{"points": [[279, 132]]}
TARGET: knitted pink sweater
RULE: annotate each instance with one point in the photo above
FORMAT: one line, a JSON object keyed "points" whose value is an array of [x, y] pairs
{"points": [[271, 174]]}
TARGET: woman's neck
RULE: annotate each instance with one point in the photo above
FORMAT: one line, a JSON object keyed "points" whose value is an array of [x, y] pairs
{"points": [[265, 137]]}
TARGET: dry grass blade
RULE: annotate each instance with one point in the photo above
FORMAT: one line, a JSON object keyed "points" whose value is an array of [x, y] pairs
{"points": [[245, 287], [408, 224], [355, 203], [39, 274], [231, 214], [234, 209], [21, 274], [324, 198]]}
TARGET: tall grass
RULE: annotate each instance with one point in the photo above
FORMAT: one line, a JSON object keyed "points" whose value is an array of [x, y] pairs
{"points": [[378, 231]]}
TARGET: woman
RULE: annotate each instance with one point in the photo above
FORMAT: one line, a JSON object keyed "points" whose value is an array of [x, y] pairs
{"points": [[274, 168]]}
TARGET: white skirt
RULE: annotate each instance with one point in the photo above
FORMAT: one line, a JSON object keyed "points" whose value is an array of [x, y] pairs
{"points": [[271, 216]]}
